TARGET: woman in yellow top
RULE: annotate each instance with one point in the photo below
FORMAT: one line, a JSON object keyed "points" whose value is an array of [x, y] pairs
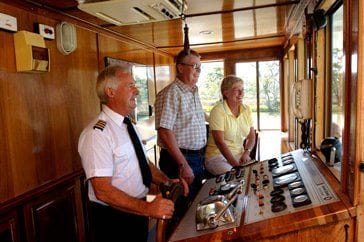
{"points": [[230, 123]]}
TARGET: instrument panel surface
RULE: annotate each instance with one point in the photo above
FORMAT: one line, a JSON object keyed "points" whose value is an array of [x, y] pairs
{"points": [[305, 183], [291, 182]]}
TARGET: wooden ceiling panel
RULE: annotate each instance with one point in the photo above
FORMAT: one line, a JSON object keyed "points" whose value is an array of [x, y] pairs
{"points": [[237, 45], [165, 33], [61, 5], [231, 24]]}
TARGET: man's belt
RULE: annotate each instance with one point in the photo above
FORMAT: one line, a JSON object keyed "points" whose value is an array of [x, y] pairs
{"points": [[185, 151]]}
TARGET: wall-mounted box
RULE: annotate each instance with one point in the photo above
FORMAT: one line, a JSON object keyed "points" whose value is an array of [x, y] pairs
{"points": [[8, 22], [30, 52], [44, 30]]}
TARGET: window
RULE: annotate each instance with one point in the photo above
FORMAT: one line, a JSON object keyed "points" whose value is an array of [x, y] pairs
{"points": [[262, 92], [212, 73], [141, 76], [336, 79]]}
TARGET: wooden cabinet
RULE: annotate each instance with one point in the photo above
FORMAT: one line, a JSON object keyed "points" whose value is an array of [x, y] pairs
{"points": [[52, 217], [51, 213], [9, 227], [342, 231]]}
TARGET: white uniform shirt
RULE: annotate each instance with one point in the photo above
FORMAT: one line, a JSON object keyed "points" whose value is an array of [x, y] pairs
{"points": [[109, 152]]}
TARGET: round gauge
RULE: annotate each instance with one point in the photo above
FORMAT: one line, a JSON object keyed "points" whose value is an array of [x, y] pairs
{"points": [[282, 169], [274, 160], [278, 198], [225, 187], [300, 198], [228, 186], [286, 155], [277, 207], [285, 179], [276, 192], [298, 191], [295, 184]]}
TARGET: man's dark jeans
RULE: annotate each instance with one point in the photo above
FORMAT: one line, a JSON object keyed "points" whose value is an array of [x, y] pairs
{"points": [[170, 168]]}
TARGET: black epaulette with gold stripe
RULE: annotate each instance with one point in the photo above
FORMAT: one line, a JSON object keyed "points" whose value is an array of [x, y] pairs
{"points": [[100, 125]]}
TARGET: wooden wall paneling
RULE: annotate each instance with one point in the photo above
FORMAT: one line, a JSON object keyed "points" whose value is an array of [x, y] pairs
{"points": [[165, 71], [44, 113], [6, 186], [7, 63], [111, 47], [73, 102]]}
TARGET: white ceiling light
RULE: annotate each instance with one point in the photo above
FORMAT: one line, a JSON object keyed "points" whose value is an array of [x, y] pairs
{"points": [[127, 12]]}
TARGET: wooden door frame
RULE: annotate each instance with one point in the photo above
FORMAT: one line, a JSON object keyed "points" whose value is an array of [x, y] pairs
{"points": [[360, 125]]}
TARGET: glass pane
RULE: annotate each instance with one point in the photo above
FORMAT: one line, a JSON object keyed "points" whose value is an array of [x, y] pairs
{"points": [[337, 75], [141, 81], [269, 95], [209, 82], [247, 71]]}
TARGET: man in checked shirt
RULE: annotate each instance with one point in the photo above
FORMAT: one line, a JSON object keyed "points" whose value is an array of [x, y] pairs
{"points": [[180, 122]]}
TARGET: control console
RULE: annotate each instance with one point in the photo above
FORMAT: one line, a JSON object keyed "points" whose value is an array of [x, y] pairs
{"points": [[286, 184]]}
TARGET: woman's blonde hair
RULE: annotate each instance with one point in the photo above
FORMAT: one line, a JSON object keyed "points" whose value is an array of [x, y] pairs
{"points": [[228, 82]]}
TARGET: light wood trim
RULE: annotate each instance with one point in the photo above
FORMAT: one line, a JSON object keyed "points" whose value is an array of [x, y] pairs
{"points": [[301, 70], [285, 110], [291, 79], [320, 90], [256, 54], [360, 125]]}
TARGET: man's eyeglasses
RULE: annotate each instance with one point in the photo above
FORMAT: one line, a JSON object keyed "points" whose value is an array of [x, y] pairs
{"points": [[197, 67]]}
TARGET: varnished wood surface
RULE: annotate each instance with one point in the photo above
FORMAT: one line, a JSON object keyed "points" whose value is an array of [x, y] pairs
{"points": [[160, 75], [328, 220], [232, 29], [43, 114], [253, 54], [360, 119]]}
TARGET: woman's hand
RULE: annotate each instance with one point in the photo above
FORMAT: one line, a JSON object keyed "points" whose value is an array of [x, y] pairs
{"points": [[245, 157]]}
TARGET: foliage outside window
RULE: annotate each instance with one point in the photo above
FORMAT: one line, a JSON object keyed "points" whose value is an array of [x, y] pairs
{"points": [[269, 86], [140, 74], [337, 74], [264, 89], [209, 83]]}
